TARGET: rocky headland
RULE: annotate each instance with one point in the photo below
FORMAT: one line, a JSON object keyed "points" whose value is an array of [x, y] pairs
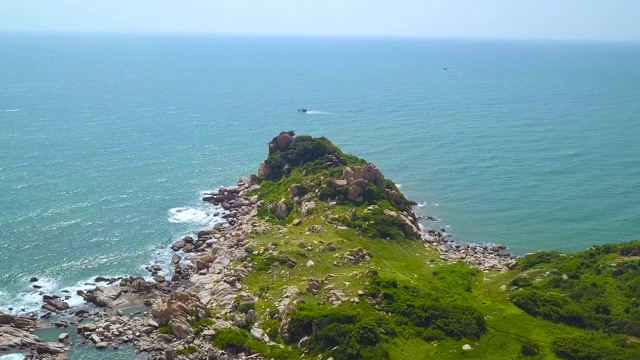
{"points": [[296, 232]]}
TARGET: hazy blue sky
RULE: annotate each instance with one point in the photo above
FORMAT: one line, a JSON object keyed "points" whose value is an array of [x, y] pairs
{"points": [[531, 19]]}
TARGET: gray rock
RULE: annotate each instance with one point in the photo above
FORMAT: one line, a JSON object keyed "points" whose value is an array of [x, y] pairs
{"points": [[279, 209]]}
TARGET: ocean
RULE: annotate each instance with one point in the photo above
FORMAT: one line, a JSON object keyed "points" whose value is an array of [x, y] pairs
{"points": [[108, 141]]}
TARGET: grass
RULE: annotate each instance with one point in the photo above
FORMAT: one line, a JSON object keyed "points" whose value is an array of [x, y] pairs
{"points": [[507, 331], [413, 264]]}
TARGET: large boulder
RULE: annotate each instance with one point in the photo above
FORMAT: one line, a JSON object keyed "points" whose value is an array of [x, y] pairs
{"points": [[308, 208], [57, 304], [348, 174], [354, 192], [284, 140], [180, 327], [279, 209], [263, 171], [336, 183], [103, 295]]}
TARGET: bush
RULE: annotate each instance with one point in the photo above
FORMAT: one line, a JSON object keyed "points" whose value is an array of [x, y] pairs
{"points": [[166, 330], [529, 348], [310, 316], [521, 281], [188, 350], [200, 324], [540, 257], [231, 340], [592, 347], [244, 308], [424, 310]]}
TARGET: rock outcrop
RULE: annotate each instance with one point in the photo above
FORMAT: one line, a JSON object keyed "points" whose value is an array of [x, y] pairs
{"points": [[16, 333]]}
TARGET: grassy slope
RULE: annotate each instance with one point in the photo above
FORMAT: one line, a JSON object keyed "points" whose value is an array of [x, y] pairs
{"points": [[410, 263]]}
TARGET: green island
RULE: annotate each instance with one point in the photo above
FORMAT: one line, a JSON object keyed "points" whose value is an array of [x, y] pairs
{"points": [[400, 300]]}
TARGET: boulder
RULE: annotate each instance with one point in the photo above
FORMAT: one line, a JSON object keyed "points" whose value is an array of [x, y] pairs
{"points": [[57, 304], [103, 295], [295, 190], [279, 209], [354, 192], [313, 286], [259, 334], [336, 183], [178, 245], [307, 208], [348, 174], [63, 337], [263, 171], [284, 140], [180, 328]]}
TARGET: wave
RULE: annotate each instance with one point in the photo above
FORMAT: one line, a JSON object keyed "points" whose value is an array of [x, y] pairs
{"points": [[30, 301], [202, 216], [422, 204], [16, 356], [12, 110], [316, 112]]}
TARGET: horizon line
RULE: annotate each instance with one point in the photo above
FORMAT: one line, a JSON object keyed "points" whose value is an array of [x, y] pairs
{"points": [[317, 36]]}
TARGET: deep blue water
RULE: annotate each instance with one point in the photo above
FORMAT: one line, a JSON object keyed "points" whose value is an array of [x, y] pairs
{"points": [[529, 144]]}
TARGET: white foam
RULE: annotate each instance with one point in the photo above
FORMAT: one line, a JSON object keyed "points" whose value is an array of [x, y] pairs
{"points": [[29, 300], [12, 110], [75, 299], [314, 112], [208, 216], [422, 204], [16, 356]]}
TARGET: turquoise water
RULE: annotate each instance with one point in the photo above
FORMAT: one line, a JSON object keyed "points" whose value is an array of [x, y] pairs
{"points": [[103, 137]]}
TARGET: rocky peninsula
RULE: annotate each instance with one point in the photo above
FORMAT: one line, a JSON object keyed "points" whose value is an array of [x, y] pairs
{"points": [[320, 256]]}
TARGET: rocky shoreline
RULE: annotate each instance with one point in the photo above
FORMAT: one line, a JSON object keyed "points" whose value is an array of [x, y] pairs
{"points": [[206, 282]]}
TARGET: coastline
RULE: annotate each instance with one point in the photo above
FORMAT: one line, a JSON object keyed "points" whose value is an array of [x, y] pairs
{"points": [[206, 275]]}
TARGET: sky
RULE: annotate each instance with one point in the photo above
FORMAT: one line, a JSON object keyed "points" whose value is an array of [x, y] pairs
{"points": [[608, 20]]}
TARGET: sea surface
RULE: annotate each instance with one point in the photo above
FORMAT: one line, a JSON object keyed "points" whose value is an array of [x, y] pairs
{"points": [[108, 141]]}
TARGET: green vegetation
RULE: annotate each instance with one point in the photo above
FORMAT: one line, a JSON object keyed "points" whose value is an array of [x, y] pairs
{"points": [[188, 350], [237, 341], [166, 330], [365, 331], [306, 166], [403, 302], [598, 289]]}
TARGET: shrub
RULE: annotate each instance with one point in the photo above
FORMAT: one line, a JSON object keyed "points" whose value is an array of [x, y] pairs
{"points": [[540, 257], [308, 316], [188, 350], [521, 281], [592, 347], [166, 330], [231, 340], [244, 308], [538, 303], [529, 348]]}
